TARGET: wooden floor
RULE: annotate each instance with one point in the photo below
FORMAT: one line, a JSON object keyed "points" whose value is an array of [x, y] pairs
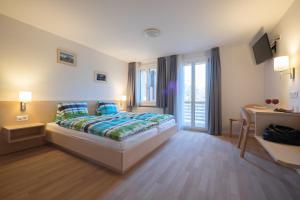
{"points": [[189, 166]]}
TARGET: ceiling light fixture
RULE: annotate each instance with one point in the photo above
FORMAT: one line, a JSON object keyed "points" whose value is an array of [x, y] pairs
{"points": [[151, 32]]}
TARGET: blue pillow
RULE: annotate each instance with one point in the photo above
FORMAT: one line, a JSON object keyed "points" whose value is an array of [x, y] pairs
{"points": [[106, 108]]}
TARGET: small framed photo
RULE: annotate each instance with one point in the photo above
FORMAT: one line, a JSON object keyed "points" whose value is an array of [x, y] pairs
{"points": [[66, 57], [100, 77]]}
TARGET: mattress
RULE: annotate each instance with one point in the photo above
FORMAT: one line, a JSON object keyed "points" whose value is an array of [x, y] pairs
{"points": [[166, 125], [107, 142]]}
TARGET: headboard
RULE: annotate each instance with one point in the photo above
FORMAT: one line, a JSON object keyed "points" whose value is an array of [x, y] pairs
{"points": [[38, 111]]}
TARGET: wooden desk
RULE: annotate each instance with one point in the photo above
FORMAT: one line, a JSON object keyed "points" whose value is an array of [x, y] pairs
{"points": [[287, 155]]}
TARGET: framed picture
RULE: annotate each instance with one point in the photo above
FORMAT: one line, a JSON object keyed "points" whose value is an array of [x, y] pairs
{"points": [[100, 77], [66, 57]]}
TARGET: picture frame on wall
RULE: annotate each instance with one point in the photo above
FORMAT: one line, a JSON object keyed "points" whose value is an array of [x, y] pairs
{"points": [[100, 77], [66, 57]]}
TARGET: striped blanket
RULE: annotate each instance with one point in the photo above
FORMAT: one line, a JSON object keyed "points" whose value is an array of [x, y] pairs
{"points": [[152, 117], [117, 126]]}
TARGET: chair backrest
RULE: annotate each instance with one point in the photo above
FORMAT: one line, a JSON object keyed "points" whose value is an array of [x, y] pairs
{"points": [[245, 115]]}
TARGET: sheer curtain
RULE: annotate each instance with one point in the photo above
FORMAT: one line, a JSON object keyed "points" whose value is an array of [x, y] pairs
{"points": [[137, 84], [180, 88]]}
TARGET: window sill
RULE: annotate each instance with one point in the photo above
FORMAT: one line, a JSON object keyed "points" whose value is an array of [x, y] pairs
{"points": [[150, 106]]}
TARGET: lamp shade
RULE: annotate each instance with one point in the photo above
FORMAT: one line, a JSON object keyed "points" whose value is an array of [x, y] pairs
{"points": [[281, 63], [123, 98], [25, 96]]}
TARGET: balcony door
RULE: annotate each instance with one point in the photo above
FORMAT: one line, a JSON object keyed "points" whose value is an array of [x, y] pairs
{"points": [[195, 109]]}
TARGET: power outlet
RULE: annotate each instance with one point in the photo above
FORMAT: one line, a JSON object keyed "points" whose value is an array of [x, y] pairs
{"points": [[22, 118]]}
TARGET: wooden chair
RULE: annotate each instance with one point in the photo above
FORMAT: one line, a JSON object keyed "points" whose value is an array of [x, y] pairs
{"points": [[246, 125], [231, 120]]}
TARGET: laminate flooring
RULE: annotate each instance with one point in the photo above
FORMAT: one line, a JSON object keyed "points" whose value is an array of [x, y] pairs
{"points": [[189, 166]]}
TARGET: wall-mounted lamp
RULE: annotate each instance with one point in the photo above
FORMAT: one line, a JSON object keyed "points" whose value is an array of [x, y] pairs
{"points": [[123, 102], [282, 63], [123, 98], [24, 97]]}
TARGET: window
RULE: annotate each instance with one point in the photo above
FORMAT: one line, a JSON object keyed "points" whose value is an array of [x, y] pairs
{"points": [[148, 79], [195, 115]]}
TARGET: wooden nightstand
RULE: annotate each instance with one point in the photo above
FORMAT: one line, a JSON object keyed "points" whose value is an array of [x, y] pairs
{"points": [[20, 133], [19, 137]]}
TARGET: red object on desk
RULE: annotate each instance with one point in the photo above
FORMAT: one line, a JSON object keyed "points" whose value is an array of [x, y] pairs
{"points": [[268, 101], [275, 101]]}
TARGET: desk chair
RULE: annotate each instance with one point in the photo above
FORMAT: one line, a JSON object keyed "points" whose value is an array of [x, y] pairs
{"points": [[246, 125]]}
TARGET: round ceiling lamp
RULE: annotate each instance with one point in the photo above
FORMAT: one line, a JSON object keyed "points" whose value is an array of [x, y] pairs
{"points": [[151, 32]]}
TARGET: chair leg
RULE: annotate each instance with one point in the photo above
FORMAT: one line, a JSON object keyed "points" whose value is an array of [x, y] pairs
{"points": [[241, 134], [244, 144], [230, 127]]}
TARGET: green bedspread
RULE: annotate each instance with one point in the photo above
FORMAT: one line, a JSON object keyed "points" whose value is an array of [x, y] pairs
{"points": [[117, 127], [152, 117]]}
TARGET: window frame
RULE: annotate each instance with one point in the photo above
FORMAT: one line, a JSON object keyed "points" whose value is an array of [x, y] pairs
{"points": [[148, 67], [193, 63]]}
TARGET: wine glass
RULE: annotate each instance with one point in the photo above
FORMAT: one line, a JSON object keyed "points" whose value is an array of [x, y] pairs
{"points": [[275, 102], [268, 102]]}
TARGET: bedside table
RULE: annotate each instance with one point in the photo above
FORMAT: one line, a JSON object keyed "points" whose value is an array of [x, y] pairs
{"points": [[20, 137], [20, 133]]}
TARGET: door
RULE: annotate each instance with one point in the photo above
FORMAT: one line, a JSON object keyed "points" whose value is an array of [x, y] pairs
{"points": [[195, 87]]}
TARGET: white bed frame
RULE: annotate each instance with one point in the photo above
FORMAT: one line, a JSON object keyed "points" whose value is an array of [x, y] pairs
{"points": [[119, 161]]}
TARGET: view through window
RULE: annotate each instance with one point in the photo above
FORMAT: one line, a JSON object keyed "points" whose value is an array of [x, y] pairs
{"points": [[195, 95], [148, 79]]}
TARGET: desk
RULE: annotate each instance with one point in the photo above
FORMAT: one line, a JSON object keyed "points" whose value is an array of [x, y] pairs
{"points": [[287, 155]]}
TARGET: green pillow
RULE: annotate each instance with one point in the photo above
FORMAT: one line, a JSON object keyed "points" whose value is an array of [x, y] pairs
{"points": [[71, 110]]}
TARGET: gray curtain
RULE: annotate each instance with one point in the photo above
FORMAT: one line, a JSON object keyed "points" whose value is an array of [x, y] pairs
{"points": [[214, 93], [171, 84], [166, 84], [131, 101], [161, 100]]}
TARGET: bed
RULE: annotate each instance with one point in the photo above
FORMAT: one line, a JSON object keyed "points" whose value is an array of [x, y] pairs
{"points": [[118, 154]]}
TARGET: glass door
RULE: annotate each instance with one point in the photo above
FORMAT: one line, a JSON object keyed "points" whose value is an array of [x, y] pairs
{"points": [[195, 115], [187, 111]]}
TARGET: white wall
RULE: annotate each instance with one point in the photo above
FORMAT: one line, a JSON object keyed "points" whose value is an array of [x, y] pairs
{"points": [[28, 62], [242, 81], [280, 87]]}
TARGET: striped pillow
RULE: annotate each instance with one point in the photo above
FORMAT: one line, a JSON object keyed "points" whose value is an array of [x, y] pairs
{"points": [[106, 108], [71, 110]]}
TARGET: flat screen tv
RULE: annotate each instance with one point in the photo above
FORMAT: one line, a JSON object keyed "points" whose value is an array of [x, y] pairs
{"points": [[262, 50]]}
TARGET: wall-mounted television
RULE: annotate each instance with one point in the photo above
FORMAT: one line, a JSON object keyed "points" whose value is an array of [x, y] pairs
{"points": [[262, 50]]}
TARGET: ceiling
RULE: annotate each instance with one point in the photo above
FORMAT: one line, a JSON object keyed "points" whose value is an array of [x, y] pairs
{"points": [[115, 27]]}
